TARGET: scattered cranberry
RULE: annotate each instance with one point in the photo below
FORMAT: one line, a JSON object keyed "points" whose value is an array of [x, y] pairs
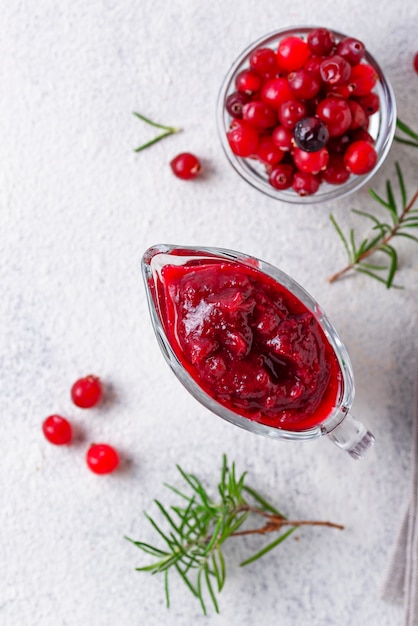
{"points": [[87, 392], [416, 62], [186, 166], [102, 458], [57, 430], [303, 110]]}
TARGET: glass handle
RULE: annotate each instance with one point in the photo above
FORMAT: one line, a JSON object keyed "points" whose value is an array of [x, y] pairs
{"points": [[352, 436]]}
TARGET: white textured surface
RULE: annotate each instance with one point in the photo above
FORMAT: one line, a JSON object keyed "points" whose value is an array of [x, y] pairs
{"points": [[78, 208]]}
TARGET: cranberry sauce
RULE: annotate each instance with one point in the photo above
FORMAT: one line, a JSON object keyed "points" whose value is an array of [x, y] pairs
{"points": [[248, 342]]}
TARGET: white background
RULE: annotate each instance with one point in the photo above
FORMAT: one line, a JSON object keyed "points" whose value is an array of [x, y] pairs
{"points": [[78, 209]]}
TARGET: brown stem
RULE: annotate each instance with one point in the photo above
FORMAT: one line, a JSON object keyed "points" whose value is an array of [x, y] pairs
{"points": [[384, 241], [275, 522]]}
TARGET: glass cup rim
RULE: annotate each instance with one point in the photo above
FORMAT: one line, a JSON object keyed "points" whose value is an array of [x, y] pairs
{"points": [[385, 127], [344, 404]]}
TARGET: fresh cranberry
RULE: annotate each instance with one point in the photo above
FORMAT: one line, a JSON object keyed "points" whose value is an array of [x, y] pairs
{"points": [[338, 145], [313, 65], [283, 137], [276, 91], [305, 184], [370, 102], [186, 166], [291, 112], [234, 103], [281, 176], [102, 458], [351, 49], [311, 162], [263, 61], [310, 134], [358, 115], [303, 84], [321, 41], [259, 114], [292, 53], [336, 172], [360, 157], [243, 138], [340, 91], [57, 430], [336, 114], [363, 78], [268, 152], [415, 63], [86, 392], [335, 70], [248, 82], [361, 134]]}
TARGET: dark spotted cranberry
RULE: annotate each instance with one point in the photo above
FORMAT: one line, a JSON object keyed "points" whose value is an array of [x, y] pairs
{"points": [[310, 134], [235, 102], [351, 49]]}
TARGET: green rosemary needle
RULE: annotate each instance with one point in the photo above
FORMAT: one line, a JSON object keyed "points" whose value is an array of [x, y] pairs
{"points": [[194, 532], [168, 130], [400, 221]]}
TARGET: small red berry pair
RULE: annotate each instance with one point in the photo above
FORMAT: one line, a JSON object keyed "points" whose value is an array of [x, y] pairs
{"points": [[86, 393]]}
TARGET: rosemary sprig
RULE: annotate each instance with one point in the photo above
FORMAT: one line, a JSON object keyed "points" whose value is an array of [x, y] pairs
{"points": [[196, 531], [404, 128], [168, 130], [400, 221]]}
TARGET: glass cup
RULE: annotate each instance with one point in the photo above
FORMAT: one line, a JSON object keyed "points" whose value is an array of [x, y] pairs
{"points": [[339, 425], [382, 127]]}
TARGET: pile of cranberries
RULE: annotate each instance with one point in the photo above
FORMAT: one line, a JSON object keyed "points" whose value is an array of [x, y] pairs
{"points": [[303, 110], [86, 393]]}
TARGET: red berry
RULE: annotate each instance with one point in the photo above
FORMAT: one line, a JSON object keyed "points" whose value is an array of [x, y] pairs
{"points": [[358, 115], [86, 392], [57, 430], [336, 172], [335, 70], [303, 84], [185, 166], [313, 65], [292, 53], [305, 184], [369, 102], [248, 82], [259, 114], [268, 152], [351, 49], [263, 61], [281, 176], [243, 138], [102, 458], [360, 157], [282, 137], [291, 112], [234, 103], [321, 41], [336, 114], [416, 62], [312, 162], [276, 91], [363, 78]]}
